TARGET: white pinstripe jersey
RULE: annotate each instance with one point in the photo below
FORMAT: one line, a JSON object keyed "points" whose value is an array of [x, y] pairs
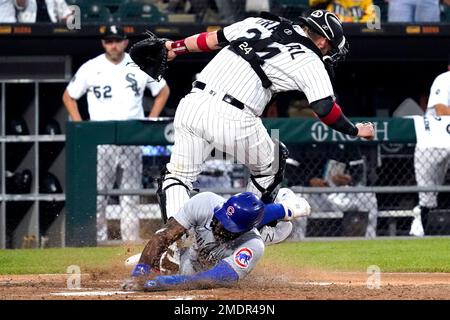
{"points": [[294, 67], [7, 11], [439, 93], [114, 91]]}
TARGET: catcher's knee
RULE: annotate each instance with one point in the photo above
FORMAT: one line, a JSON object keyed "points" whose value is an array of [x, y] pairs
{"points": [[269, 183], [170, 183]]}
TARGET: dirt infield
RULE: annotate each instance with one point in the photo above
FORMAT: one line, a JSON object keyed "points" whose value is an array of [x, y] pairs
{"points": [[293, 285]]}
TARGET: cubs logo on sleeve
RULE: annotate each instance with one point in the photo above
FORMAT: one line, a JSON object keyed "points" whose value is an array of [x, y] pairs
{"points": [[242, 257]]}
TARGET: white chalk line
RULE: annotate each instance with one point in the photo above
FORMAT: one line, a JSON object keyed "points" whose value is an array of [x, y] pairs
{"points": [[91, 293], [113, 293]]}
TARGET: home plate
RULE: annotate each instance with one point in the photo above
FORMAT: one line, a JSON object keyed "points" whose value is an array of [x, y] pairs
{"points": [[90, 293]]}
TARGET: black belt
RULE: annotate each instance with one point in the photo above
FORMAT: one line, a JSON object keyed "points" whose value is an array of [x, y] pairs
{"points": [[227, 98]]}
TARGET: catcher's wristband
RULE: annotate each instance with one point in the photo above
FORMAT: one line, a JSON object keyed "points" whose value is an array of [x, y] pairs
{"points": [[202, 43], [179, 47]]}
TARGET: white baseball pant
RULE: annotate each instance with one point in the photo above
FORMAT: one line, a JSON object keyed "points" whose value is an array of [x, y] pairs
{"points": [[203, 122], [130, 160], [430, 166]]}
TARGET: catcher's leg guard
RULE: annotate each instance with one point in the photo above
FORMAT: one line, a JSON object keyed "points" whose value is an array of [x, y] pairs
{"points": [[172, 194], [267, 185]]}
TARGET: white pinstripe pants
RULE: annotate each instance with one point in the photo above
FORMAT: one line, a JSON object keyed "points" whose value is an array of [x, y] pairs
{"points": [[430, 166], [203, 122], [130, 159]]}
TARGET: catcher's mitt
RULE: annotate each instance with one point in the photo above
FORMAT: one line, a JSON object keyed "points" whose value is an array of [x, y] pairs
{"points": [[150, 55]]}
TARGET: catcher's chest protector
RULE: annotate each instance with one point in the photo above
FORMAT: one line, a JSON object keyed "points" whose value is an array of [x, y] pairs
{"points": [[283, 34]]}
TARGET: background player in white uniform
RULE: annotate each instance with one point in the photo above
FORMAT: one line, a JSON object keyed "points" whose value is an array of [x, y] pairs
{"points": [[115, 89], [227, 244], [222, 110], [431, 158], [8, 10]]}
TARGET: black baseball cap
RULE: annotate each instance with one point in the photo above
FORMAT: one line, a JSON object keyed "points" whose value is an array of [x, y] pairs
{"points": [[114, 32]]}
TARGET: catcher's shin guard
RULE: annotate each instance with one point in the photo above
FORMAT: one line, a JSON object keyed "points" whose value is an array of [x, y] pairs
{"points": [[268, 185], [172, 194]]}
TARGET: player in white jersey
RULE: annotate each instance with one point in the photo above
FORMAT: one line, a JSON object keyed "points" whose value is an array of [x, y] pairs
{"points": [[115, 89], [8, 10], [259, 57], [432, 156], [227, 244]]}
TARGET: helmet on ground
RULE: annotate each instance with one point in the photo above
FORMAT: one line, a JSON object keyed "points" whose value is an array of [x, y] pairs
{"points": [[329, 26], [241, 212]]}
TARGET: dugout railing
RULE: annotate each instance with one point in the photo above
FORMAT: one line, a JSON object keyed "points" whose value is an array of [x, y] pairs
{"points": [[385, 178]]}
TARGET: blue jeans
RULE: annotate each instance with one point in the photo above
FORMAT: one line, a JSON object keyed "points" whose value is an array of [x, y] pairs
{"points": [[413, 11]]}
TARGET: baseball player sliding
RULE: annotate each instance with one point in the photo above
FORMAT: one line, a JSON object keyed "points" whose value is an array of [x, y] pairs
{"points": [[258, 58], [227, 242]]}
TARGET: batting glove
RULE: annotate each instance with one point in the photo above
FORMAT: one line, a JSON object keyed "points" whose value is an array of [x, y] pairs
{"points": [[163, 283], [139, 275], [294, 206]]}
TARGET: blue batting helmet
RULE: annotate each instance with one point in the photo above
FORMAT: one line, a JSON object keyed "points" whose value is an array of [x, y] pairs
{"points": [[241, 212]]}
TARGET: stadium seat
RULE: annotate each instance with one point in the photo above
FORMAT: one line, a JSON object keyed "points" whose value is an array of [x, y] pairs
{"points": [[291, 9], [134, 11], [95, 12]]}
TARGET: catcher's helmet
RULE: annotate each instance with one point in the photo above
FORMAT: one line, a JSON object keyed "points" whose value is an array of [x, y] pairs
{"points": [[241, 212], [329, 26]]}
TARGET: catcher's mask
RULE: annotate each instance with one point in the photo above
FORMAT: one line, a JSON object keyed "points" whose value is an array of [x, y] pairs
{"points": [[328, 26], [240, 213]]}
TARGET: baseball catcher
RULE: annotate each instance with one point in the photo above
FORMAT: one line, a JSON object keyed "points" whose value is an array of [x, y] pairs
{"points": [[256, 58], [227, 242]]}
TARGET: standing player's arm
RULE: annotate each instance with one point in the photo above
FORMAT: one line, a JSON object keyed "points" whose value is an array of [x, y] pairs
{"points": [[442, 110], [160, 102], [71, 106], [202, 42], [330, 113]]}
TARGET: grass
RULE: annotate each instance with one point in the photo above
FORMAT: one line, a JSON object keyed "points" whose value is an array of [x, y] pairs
{"points": [[45, 261], [415, 255], [411, 255]]}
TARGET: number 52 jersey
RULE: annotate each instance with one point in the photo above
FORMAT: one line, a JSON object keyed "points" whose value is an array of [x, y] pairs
{"points": [[114, 91]]}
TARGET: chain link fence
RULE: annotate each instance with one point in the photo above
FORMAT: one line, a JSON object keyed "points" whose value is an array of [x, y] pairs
{"points": [[362, 190]]}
